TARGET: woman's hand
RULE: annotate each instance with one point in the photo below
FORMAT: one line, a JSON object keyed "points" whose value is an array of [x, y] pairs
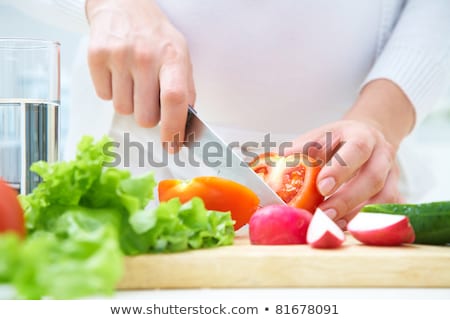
{"points": [[358, 167], [358, 153], [141, 61]]}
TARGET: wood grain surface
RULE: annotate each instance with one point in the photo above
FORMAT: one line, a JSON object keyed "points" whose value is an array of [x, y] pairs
{"points": [[247, 266]]}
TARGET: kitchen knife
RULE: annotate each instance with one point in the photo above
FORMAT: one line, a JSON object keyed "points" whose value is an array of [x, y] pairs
{"points": [[228, 164]]}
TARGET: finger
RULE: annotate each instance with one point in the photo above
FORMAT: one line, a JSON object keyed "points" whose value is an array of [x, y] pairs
{"points": [[389, 194], [347, 161], [320, 144], [173, 79], [122, 86], [191, 86], [343, 221], [368, 182], [100, 72], [146, 95]]}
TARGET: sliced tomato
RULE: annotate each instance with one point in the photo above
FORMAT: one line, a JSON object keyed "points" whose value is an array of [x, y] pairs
{"points": [[217, 193], [293, 178], [11, 213]]}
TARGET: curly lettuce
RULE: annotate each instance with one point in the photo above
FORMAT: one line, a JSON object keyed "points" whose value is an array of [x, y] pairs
{"points": [[84, 217]]}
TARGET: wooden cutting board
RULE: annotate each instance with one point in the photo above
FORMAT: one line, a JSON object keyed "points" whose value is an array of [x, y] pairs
{"points": [[246, 266]]}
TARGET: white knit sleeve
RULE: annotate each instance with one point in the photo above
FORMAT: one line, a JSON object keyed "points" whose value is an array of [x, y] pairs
{"points": [[417, 54], [64, 14]]}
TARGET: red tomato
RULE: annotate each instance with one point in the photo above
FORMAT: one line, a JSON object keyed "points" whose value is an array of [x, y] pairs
{"points": [[217, 193], [11, 213], [293, 178]]}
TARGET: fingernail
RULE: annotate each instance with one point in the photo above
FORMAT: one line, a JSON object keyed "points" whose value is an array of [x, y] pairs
{"points": [[326, 185], [331, 213], [342, 224]]}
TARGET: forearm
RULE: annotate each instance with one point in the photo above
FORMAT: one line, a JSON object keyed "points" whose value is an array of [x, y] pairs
{"points": [[384, 105], [416, 56]]}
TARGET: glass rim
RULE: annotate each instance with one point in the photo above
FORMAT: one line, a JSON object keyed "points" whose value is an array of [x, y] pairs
{"points": [[27, 43]]}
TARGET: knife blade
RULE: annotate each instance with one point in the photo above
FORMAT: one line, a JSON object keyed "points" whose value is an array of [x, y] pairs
{"points": [[199, 137]]}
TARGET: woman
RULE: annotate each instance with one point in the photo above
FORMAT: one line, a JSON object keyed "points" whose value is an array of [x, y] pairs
{"points": [[361, 72]]}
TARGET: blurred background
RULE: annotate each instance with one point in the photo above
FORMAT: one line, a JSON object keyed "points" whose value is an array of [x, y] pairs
{"points": [[432, 137]]}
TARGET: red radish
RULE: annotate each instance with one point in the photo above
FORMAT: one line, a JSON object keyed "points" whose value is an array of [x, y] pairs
{"points": [[278, 224], [323, 233], [381, 229]]}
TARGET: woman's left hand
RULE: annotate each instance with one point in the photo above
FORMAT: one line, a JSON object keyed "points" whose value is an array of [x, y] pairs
{"points": [[358, 167], [358, 153]]}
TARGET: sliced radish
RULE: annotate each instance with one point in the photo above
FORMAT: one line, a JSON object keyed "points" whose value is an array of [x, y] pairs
{"points": [[381, 229], [323, 233], [279, 225]]}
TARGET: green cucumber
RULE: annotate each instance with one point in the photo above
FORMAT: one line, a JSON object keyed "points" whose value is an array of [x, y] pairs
{"points": [[431, 221]]}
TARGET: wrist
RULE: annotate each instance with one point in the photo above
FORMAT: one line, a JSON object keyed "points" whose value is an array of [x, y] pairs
{"points": [[92, 6], [89, 6], [140, 9], [383, 105]]}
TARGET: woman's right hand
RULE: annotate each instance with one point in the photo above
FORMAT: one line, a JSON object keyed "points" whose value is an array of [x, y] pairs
{"points": [[141, 61]]}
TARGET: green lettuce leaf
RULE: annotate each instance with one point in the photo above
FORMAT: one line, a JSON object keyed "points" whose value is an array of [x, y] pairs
{"points": [[85, 183], [83, 217], [9, 256], [173, 226], [85, 265]]}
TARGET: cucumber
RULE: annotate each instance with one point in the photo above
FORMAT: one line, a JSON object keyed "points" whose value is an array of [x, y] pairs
{"points": [[431, 221]]}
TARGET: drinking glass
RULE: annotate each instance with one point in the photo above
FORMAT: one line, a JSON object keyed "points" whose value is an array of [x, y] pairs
{"points": [[29, 108]]}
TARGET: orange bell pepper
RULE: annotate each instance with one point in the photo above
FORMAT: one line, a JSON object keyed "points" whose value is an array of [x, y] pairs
{"points": [[217, 193]]}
